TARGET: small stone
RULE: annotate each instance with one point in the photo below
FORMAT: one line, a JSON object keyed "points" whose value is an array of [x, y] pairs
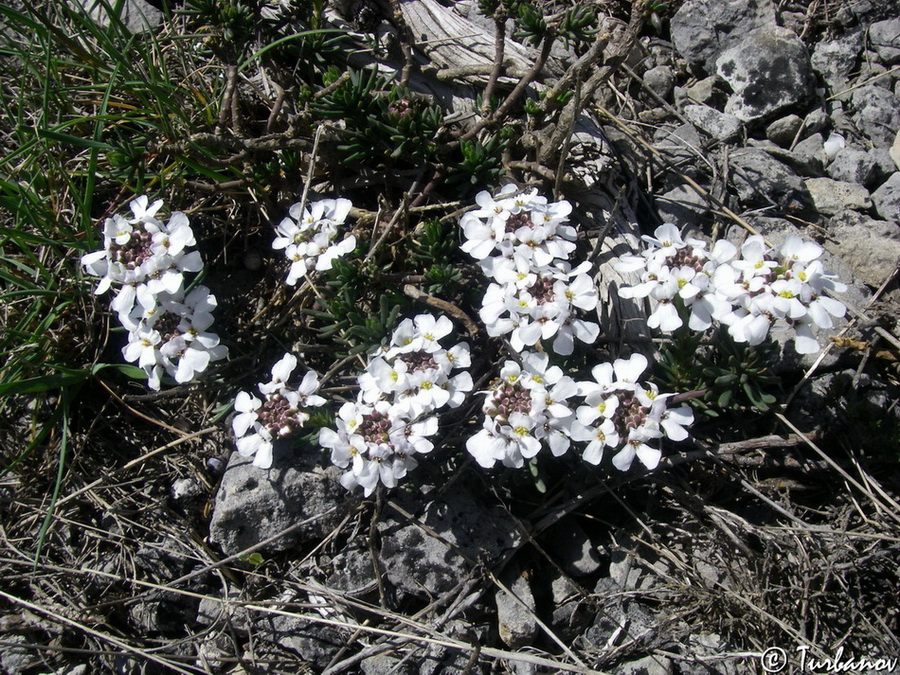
{"points": [[660, 81], [352, 572], [255, 504], [681, 205], [386, 664], [422, 565], [852, 165], [833, 196], [702, 29], [185, 488], [884, 166], [577, 554], [895, 150], [887, 199], [136, 15], [884, 37], [807, 158], [761, 180], [784, 130], [212, 610], [680, 145], [719, 125], [623, 570], [768, 71], [793, 21], [706, 92], [516, 623], [869, 247], [649, 665], [877, 114], [836, 60], [816, 121]]}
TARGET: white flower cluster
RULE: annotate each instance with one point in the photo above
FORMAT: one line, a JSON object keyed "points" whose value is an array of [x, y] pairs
{"points": [[748, 290], [306, 236], [528, 407], [622, 414], [523, 244], [393, 417], [525, 407], [279, 413], [147, 258]]}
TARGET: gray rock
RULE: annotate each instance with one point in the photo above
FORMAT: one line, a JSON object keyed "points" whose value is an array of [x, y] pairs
{"points": [[833, 196], [571, 615], [702, 29], [869, 247], [681, 145], [707, 650], [649, 665], [162, 613], [352, 571], [16, 661], [887, 199], [137, 16], [719, 125], [254, 504], [784, 130], [761, 180], [884, 37], [623, 570], [877, 114], [768, 71], [884, 166], [660, 81], [185, 488], [815, 121], [576, 552], [387, 664], [810, 154], [793, 21], [632, 617], [853, 165], [707, 92], [895, 150], [681, 205], [836, 60], [516, 624], [315, 642], [213, 610], [420, 564]]}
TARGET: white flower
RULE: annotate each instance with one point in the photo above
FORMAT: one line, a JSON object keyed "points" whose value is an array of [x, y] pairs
{"points": [[280, 411], [636, 446], [307, 236]]}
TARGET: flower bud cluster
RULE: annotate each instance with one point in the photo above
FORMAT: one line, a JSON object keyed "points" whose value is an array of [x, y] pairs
{"points": [[146, 258], [403, 387], [306, 236], [749, 289], [277, 413], [523, 245]]}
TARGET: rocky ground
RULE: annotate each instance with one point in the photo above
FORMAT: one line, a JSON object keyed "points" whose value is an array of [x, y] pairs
{"points": [[779, 531]]}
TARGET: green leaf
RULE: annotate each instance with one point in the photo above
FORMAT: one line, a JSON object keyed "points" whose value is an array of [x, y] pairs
{"points": [[73, 140]]}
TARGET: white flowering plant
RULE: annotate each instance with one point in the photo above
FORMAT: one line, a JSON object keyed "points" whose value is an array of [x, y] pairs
{"points": [[145, 258], [740, 293], [553, 393]]}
